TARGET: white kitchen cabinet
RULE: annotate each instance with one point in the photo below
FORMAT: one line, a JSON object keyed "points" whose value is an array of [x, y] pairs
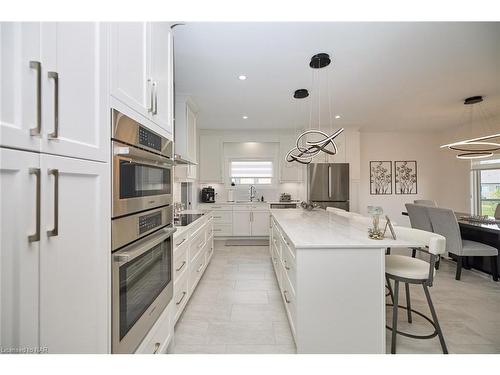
{"points": [[186, 129], [242, 225], [75, 260], [20, 99], [75, 119], [162, 72], [19, 256], [210, 147], [54, 97], [142, 70], [260, 223], [187, 172], [130, 69], [54, 290]]}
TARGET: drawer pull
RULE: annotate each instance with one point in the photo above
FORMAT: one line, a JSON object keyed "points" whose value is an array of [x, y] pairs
{"points": [[157, 346], [180, 268], [217, 230], [180, 243], [199, 269], [217, 217], [180, 301], [286, 266], [285, 293]]}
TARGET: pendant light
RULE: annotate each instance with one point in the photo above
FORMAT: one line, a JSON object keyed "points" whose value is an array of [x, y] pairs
{"points": [[306, 149], [475, 141]]}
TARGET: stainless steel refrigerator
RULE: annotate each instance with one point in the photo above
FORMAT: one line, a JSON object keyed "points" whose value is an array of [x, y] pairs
{"points": [[328, 184]]}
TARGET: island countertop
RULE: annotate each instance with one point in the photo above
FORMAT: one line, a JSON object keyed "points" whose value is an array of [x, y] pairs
{"points": [[320, 229]]}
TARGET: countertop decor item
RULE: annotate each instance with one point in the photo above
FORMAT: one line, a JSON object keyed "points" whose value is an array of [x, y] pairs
{"points": [[309, 206], [374, 232], [476, 139], [312, 142]]}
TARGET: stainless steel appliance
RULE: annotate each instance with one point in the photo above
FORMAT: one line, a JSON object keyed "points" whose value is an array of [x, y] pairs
{"points": [[285, 197], [283, 205], [142, 167], [185, 219], [328, 184], [142, 287]]}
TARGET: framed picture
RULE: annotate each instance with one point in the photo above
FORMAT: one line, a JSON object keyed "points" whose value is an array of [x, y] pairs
{"points": [[405, 173], [380, 177]]}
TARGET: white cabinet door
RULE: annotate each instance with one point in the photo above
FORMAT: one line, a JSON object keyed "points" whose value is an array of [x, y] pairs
{"points": [[241, 223], [130, 65], [191, 131], [75, 261], [74, 78], [20, 97], [289, 172], [210, 158], [19, 256], [260, 223], [162, 74]]}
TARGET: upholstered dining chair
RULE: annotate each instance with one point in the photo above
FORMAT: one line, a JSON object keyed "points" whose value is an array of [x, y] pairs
{"points": [[444, 222], [419, 219], [408, 270], [425, 202]]}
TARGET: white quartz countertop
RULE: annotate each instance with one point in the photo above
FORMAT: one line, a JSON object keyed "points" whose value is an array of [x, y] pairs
{"points": [[323, 229], [181, 229]]}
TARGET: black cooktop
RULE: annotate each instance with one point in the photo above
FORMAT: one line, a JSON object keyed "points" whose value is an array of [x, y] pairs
{"points": [[186, 219]]}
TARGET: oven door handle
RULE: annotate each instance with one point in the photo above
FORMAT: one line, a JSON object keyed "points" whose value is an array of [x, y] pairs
{"points": [[133, 251], [138, 154]]}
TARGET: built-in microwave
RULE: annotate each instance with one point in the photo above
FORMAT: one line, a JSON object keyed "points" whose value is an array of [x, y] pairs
{"points": [[142, 167], [142, 287]]}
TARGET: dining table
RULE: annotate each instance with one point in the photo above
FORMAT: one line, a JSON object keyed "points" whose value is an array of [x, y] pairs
{"points": [[487, 233]]}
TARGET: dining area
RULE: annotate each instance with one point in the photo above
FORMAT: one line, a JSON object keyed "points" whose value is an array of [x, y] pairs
{"points": [[472, 242]]}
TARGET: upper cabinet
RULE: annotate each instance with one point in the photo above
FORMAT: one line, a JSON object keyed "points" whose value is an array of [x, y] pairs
{"points": [[142, 70], [289, 172], [186, 133], [211, 158], [54, 86]]}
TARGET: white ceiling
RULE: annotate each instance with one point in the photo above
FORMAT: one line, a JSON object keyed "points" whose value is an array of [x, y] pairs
{"points": [[384, 76]]}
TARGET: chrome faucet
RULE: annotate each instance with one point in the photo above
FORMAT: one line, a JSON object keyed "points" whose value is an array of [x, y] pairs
{"points": [[253, 191]]}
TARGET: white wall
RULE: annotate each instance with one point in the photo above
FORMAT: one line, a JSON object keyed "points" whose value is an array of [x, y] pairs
{"points": [[440, 176]]}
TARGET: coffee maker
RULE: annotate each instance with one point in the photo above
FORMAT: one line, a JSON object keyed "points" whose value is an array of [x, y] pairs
{"points": [[208, 195]]}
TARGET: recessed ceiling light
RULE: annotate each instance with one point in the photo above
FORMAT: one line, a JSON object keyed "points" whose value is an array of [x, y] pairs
{"points": [[242, 77], [337, 117], [245, 117]]}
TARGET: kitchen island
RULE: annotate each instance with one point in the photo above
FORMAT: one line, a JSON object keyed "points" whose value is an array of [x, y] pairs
{"points": [[332, 280]]}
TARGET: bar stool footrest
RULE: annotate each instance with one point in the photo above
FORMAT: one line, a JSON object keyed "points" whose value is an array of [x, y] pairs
{"points": [[422, 337]]}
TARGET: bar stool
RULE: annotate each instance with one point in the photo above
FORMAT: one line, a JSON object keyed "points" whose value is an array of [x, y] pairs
{"points": [[419, 219], [401, 268]]}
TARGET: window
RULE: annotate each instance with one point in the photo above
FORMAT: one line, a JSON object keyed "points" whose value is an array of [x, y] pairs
{"points": [[489, 197], [251, 172]]}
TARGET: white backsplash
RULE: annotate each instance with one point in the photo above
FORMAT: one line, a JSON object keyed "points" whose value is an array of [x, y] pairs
{"points": [[297, 191]]}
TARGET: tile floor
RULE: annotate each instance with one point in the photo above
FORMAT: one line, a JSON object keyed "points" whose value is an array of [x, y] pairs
{"points": [[237, 308]]}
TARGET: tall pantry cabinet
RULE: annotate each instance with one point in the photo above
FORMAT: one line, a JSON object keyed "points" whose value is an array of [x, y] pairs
{"points": [[54, 187]]}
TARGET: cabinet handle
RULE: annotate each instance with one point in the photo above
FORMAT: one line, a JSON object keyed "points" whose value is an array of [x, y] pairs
{"points": [[180, 243], [285, 264], [180, 301], [155, 102], [55, 77], [38, 67], [157, 346], [285, 293], [36, 237], [199, 269], [180, 268], [217, 217], [54, 232], [151, 96]]}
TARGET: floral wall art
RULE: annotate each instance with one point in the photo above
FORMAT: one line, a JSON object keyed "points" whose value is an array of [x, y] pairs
{"points": [[380, 177], [405, 177]]}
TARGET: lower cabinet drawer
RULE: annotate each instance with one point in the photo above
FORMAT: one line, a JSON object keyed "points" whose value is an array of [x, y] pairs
{"points": [[288, 296], [289, 265], [158, 338], [197, 243], [223, 230], [181, 259], [223, 217], [196, 270], [210, 249], [181, 295]]}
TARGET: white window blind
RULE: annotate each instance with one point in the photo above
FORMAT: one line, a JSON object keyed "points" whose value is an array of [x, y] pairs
{"points": [[491, 163], [251, 172]]}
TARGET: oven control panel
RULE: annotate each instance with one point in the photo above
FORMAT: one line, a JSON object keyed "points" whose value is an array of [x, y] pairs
{"points": [[149, 139], [149, 222]]}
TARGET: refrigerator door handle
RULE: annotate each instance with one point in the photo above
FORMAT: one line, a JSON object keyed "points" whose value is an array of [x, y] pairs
{"points": [[330, 181]]}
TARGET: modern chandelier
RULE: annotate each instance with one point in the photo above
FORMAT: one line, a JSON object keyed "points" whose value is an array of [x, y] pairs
{"points": [[306, 149], [471, 146]]}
